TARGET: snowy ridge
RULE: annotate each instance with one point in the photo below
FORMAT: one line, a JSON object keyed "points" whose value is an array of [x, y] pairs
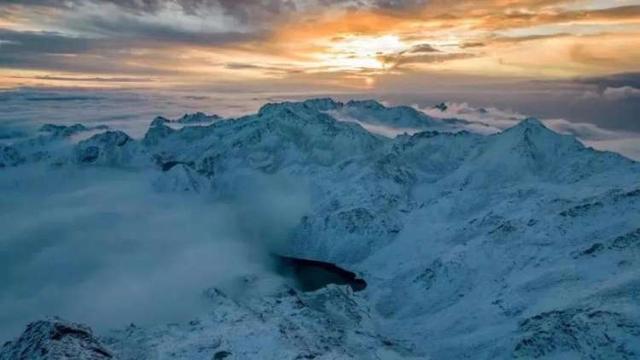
{"points": [[197, 118], [329, 323], [520, 244], [57, 131], [55, 339]]}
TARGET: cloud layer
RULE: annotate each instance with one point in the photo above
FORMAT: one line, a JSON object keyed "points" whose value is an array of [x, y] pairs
{"points": [[105, 249], [491, 120]]}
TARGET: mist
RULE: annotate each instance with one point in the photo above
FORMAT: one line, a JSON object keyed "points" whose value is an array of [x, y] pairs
{"points": [[100, 246]]}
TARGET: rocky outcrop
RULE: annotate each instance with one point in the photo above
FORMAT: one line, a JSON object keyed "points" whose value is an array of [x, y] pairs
{"points": [[66, 131], [329, 323], [197, 118], [55, 339], [180, 178], [111, 148], [9, 157], [578, 333]]}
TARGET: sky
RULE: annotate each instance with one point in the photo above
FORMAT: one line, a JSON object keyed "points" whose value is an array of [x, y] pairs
{"points": [[320, 44]]}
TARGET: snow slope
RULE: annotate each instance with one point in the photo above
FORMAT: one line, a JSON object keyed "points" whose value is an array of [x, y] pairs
{"points": [[520, 244]]}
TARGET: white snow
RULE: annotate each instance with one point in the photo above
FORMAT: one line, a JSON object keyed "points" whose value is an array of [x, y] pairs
{"points": [[520, 243]]}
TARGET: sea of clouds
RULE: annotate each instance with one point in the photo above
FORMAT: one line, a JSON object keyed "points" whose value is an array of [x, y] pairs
{"points": [[101, 246], [489, 120]]}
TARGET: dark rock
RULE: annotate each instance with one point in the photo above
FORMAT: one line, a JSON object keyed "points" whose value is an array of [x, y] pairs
{"points": [[9, 157], [221, 355], [627, 240], [88, 154], [579, 333], [442, 107], [593, 250], [55, 339], [581, 209]]}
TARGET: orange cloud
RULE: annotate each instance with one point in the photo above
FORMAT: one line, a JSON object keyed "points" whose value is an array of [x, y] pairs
{"points": [[342, 46]]}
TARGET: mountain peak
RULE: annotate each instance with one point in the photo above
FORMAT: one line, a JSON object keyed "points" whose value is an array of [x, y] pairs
{"points": [[322, 104], [61, 131], [314, 105], [442, 106], [159, 120], [531, 148], [532, 123], [197, 118], [186, 119], [271, 109], [56, 339], [531, 130], [367, 104]]}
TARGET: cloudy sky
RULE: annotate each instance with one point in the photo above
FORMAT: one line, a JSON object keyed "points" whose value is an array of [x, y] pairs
{"points": [[325, 43], [573, 59]]}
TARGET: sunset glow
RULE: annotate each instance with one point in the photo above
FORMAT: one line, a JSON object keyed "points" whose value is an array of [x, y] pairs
{"points": [[175, 43]]}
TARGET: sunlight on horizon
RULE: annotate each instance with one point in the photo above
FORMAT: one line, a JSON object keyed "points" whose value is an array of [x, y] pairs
{"points": [[100, 44]]}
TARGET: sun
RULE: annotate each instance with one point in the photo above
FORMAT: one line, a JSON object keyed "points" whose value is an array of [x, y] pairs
{"points": [[369, 81], [357, 52]]}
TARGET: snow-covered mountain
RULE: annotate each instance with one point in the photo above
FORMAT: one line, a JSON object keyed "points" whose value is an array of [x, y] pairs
{"points": [[197, 118], [520, 244]]}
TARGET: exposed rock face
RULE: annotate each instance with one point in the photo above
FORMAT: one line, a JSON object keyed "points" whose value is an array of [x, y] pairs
{"points": [[330, 323], [589, 333], [311, 105], [180, 178], [197, 118], [51, 144], [442, 106], [55, 339], [158, 131], [9, 156], [158, 121], [66, 131], [373, 112], [111, 148]]}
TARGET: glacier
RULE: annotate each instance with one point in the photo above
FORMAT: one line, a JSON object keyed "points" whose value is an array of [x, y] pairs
{"points": [[523, 243]]}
